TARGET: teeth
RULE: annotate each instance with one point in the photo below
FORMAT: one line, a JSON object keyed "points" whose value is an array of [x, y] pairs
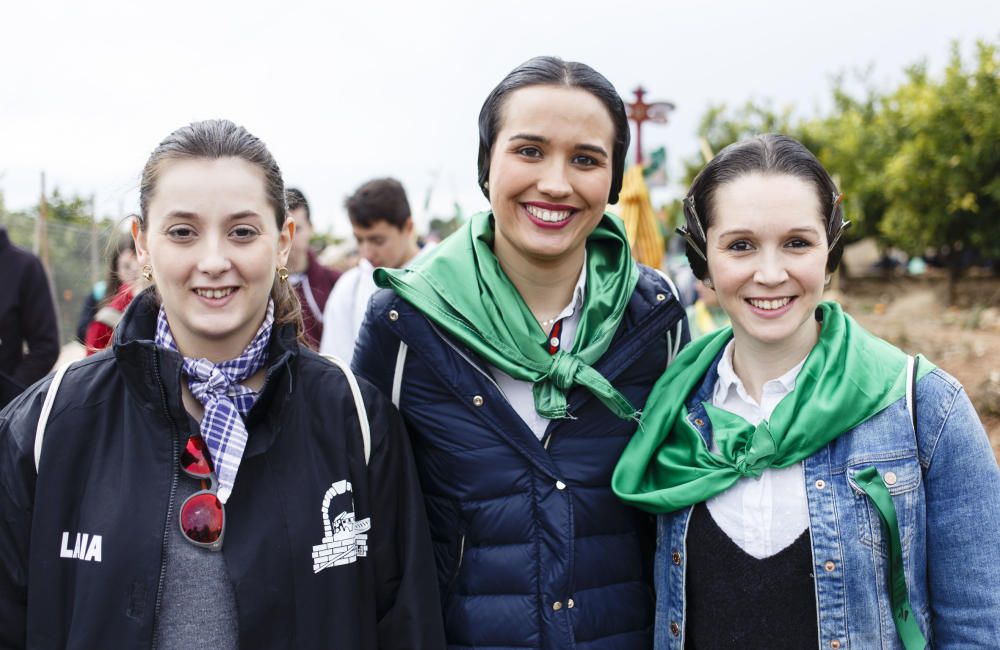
{"points": [[769, 304], [214, 293], [552, 216]]}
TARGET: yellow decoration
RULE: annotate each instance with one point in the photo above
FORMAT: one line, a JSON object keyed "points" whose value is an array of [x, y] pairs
{"points": [[641, 226]]}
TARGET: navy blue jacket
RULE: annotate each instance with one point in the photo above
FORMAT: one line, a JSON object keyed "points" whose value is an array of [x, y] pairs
{"points": [[109, 466], [533, 550]]}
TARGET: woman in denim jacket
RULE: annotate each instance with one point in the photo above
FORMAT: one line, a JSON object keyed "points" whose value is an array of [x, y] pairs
{"points": [[814, 485]]}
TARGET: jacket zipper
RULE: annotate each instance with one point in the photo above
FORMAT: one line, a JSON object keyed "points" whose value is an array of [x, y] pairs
{"points": [[173, 491]]}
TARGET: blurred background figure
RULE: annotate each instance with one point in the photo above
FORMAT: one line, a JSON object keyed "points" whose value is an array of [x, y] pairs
{"points": [[123, 283], [29, 334], [313, 282], [382, 225], [124, 268], [705, 315]]}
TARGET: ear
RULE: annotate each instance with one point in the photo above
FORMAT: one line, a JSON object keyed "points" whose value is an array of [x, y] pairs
{"points": [[285, 238], [139, 237]]}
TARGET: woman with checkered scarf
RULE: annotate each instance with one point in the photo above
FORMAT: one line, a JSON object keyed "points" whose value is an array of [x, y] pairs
{"points": [[209, 481]]}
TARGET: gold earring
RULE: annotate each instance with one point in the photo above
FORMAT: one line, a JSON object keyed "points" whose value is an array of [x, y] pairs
{"points": [[282, 274], [147, 273]]}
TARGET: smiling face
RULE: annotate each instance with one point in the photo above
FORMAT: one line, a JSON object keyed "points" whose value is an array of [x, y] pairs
{"points": [[767, 254], [550, 174], [212, 241]]}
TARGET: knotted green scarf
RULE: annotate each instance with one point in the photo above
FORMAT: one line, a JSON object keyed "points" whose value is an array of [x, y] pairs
{"points": [[460, 287], [849, 376]]}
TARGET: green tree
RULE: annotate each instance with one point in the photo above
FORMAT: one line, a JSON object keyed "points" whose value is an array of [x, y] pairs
{"points": [[942, 183]]}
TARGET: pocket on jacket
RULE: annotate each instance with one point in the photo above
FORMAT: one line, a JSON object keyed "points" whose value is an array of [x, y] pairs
{"points": [[902, 477]]}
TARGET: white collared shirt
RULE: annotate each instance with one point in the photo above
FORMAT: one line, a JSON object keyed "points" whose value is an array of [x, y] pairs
{"points": [[519, 393], [766, 514]]}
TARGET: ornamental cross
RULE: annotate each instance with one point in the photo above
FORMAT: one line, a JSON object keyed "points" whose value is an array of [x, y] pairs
{"points": [[639, 111]]}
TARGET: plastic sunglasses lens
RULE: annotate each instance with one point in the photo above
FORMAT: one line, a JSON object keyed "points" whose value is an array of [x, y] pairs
{"points": [[194, 457], [202, 518]]}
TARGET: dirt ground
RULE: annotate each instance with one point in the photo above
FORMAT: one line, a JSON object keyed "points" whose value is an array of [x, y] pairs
{"points": [[964, 340]]}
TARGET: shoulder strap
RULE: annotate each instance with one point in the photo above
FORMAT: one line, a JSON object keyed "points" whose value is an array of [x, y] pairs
{"points": [[43, 417], [359, 403], [911, 390], [397, 376]]}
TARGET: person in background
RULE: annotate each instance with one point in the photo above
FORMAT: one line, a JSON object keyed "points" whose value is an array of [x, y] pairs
{"points": [[520, 351], [814, 484], [382, 225], [122, 284], [208, 481], [706, 314], [29, 332], [124, 268], [313, 282]]}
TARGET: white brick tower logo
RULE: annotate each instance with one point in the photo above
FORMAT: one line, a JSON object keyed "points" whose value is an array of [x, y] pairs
{"points": [[345, 539]]}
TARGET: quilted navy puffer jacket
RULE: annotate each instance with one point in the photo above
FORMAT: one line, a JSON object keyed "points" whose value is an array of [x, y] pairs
{"points": [[533, 550]]}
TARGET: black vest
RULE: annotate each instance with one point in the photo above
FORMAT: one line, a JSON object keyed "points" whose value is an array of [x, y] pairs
{"points": [[735, 600]]}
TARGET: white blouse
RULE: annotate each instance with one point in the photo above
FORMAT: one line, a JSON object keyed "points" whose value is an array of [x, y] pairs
{"points": [[766, 514]]}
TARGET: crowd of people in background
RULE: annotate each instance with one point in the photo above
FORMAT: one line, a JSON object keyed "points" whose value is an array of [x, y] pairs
{"points": [[516, 438]]}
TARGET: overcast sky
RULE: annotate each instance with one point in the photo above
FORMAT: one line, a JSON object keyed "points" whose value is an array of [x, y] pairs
{"points": [[342, 92]]}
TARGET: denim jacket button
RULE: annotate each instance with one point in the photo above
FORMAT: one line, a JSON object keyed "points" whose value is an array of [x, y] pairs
{"points": [[676, 557], [675, 629], [835, 644], [829, 566], [699, 422], [889, 478], [820, 484]]}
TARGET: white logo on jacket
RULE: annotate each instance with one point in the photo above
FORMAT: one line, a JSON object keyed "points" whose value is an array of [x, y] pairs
{"points": [[345, 539], [85, 547]]}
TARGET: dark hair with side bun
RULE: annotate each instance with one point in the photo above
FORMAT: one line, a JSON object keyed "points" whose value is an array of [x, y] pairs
{"points": [[553, 71], [214, 139], [770, 153]]}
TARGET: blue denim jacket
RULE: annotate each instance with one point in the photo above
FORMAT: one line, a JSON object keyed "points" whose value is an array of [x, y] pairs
{"points": [[947, 497]]}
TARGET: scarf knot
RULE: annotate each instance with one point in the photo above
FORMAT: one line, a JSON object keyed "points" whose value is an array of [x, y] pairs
{"points": [[757, 454], [562, 372], [217, 386]]}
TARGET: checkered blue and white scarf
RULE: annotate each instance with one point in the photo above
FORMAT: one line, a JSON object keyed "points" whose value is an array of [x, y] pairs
{"points": [[226, 400]]}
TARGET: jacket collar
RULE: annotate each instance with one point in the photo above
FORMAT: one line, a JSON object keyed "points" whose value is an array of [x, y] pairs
{"points": [[153, 374]]}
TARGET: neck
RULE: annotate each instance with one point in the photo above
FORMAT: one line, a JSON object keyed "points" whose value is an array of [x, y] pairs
{"points": [[757, 363], [298, 263], [215, 350], [546, 286], [411, 252]]}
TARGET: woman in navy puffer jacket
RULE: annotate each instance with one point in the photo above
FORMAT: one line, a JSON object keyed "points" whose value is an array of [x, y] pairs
{"points": [[520, 352]]}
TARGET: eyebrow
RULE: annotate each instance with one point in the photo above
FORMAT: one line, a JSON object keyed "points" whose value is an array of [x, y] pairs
{"points": [[747, 231], [530, 137], [184, 214]]}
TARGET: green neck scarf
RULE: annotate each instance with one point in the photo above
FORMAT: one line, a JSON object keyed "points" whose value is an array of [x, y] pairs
{"points": [[461, 288], [849, 376]]}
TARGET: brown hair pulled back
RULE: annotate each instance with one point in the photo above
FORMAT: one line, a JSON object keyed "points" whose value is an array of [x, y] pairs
{"points": [[213, 139]]}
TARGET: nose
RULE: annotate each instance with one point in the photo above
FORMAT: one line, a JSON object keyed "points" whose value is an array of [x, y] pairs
{"points": [[214, 258], [771, 270], [554, 181]]}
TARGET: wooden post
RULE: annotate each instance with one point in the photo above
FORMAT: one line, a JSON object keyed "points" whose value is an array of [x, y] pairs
{"points": [[95, 263], [41, 247]]}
